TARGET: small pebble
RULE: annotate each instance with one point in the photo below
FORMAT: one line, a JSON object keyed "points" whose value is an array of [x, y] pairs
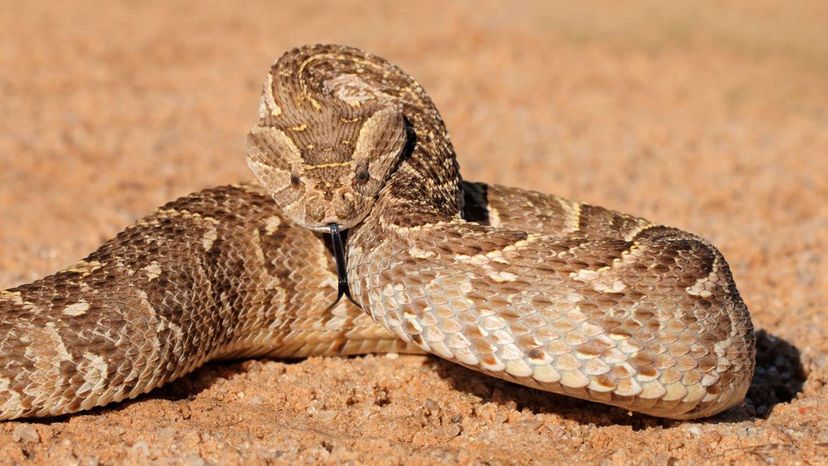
{"points": [[193, 460], [431, 407], [327, 415], [165, 434], [89, 461], [25, 433], [140, 448]]}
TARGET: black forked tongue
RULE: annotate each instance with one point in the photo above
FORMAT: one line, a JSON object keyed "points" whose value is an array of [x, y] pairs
{"points": [[341, 269]]}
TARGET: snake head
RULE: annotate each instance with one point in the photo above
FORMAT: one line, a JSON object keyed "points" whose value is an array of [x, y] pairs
{"points": [[325, 155]]}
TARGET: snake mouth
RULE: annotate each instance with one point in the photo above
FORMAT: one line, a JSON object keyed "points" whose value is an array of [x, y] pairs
{"points": [[338, 238]]}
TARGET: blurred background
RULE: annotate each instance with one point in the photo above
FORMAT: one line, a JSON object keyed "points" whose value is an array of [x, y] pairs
{"points": [[708, 116]]}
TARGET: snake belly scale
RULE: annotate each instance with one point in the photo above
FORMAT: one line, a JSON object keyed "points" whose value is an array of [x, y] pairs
{"points": [[532, 288]]}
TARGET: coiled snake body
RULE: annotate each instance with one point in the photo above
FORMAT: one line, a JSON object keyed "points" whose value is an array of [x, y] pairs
{"points": [[531, 288]]}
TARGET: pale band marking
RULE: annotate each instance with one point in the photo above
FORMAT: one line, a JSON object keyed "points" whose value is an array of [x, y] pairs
{"points": [[272, 224], [153, 270], [77, 309]]}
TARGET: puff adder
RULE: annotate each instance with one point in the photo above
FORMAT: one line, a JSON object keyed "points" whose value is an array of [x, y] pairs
{"points": [[532, 288]]}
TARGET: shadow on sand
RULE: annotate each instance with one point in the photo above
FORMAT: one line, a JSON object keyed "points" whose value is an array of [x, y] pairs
{"points": [[778, 378]]}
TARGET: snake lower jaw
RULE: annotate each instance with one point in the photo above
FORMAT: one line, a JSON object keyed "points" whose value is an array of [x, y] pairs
{"points": [[324, 225]]}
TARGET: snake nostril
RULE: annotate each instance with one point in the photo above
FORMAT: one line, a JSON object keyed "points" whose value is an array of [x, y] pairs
{"points": [[342, 195], [314, 211], [346, 204]]}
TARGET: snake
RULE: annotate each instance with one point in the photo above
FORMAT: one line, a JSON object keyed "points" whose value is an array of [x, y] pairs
{"points": [[358, 193]]}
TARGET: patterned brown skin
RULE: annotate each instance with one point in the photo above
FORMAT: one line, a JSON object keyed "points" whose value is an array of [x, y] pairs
{"points": [[553, 294], [528, 287], [216, 274]]}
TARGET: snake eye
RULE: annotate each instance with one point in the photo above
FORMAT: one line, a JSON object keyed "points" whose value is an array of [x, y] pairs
{"points": [[295, 181], [362, 177]]}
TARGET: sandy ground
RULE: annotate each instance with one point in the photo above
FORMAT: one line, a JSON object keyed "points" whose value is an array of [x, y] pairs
{"points": [[711, 118]]}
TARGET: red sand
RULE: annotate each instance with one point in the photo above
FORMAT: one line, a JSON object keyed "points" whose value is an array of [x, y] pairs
{"points": [[711, 119]]}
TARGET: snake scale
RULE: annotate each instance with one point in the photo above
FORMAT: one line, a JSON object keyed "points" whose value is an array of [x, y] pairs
{"points": [[531, 288]]}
